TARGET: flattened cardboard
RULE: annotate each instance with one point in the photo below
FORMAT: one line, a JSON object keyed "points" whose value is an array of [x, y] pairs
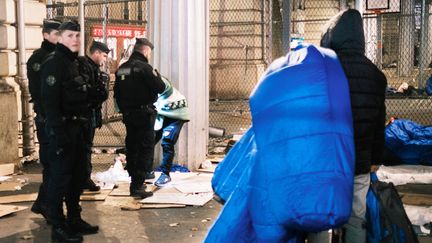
{"points": [[8, 209], [19, 198]]}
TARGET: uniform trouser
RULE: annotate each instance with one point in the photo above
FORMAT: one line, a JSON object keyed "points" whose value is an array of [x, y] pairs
{"points": [[169, 134], [67, 150], [89, 136], [355, 230], [43, 159], [140, 138]]}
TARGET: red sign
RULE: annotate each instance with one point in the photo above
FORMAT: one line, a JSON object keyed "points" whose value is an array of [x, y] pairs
{"points": [[117, 31]]}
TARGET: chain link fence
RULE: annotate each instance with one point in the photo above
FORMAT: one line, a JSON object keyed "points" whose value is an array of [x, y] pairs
{"points": [[239, 54], [246, 35]]}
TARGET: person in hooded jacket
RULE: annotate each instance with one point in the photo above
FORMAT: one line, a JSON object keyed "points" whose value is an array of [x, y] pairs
{"points": [[172, 114], [367, 84]]}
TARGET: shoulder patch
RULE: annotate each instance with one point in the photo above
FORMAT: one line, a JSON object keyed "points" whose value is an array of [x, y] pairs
{"points": [[51, 80], [123, 71], [36, 66]]}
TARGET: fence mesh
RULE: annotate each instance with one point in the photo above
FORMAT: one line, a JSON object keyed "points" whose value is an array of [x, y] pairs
{"points": [[246, 35], [239, 54]]}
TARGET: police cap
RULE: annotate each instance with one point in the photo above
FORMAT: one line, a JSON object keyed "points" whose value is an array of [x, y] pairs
{"points": [[70, 25], [51, 24], [144, 41], [99, 46]]}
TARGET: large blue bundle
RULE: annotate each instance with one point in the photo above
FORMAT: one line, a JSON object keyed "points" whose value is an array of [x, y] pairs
{"points": [[301, 176], [409, 141], [230, 169]]}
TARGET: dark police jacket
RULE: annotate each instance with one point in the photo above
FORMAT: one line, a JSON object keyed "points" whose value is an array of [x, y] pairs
{"points": [[33, 73], [97, 91], [64, 90], [367, 86], [137, 84]]}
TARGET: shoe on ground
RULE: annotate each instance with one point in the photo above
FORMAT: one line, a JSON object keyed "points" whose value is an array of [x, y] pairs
{"points": [[162, 180], [37, 208], [63, 234], [149, 175], [91, 186], [140, 192], [82, 227]]}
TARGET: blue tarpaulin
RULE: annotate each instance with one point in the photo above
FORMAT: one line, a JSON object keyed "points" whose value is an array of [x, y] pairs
{"points": [[292, 172]]}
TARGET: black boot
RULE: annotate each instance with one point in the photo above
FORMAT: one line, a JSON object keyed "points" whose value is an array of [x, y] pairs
{"points": [[38, 208], [82, 227], [91, 186], [61, 233], [140, 192]]}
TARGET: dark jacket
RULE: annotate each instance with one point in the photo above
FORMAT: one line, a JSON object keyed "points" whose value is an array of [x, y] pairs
{"points": [[367, 87], [64, 90], [33, 73], [97, 81], [137, 84]]}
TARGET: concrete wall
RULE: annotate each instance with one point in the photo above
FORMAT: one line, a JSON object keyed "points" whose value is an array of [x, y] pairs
{"points": [[10, 95]]}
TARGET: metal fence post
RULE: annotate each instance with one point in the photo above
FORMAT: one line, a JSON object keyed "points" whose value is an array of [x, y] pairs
{"points": [[422, 51], [286, 22], [82, 26]]}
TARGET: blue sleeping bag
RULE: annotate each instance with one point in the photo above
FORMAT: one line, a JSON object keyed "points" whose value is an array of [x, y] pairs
{"points": [[410, 142], [299, 177]]}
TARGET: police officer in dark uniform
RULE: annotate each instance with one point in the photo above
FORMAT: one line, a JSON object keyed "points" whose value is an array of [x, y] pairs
{"points": [[50, 34], [97, 81], [65, 103], [136, 89]]}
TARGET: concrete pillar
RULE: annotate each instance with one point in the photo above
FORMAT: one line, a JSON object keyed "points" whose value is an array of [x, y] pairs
{"points": [[180, 33], [406, 46], [9, 93]]}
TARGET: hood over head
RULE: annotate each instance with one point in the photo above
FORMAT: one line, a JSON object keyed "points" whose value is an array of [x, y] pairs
{"points": [[344, 32]]}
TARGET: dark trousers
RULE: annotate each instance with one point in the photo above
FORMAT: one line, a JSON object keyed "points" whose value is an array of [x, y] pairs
{"points": [[169, 134], [140, 138], [42, 136], [89, 136], [67, 151]]}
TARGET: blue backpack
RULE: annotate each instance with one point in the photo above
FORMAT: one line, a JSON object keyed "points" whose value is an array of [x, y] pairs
{"points": [[386, 216]]}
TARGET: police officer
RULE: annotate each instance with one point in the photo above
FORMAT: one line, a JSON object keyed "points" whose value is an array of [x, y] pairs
{"points": [[50, 35], [97, 79], [65, 102], [136, 89], [172, 113]]}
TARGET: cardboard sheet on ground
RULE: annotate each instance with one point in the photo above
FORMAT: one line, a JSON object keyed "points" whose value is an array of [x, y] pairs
{"points": [[6, 169], [404, 174], [194, 184], [96, 197], [8, 209], [122, 189], [10, 186], [19, 198], [179, 198], [118, 201]]}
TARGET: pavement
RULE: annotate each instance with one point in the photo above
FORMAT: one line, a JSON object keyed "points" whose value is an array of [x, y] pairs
{"points": [[116, 225]]}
